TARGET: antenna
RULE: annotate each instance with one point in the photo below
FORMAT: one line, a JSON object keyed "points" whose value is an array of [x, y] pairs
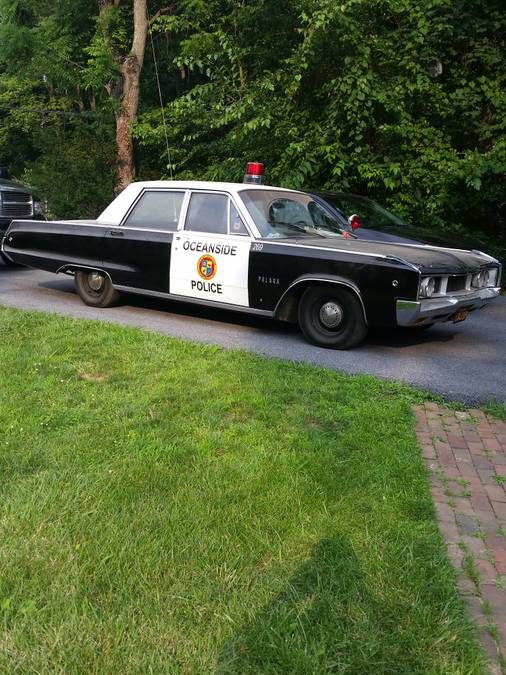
{"points": [[160, 94]]}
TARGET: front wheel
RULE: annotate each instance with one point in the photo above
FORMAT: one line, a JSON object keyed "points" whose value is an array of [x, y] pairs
{"points": [[95, 289], [331, 316]]}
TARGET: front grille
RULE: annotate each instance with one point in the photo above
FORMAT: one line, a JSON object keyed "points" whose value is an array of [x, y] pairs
{"points": [[456, 283], [16, 198], [16, 205]]}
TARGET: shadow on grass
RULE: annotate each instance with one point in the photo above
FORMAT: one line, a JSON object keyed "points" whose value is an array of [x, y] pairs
{"points": [[326, 620]]}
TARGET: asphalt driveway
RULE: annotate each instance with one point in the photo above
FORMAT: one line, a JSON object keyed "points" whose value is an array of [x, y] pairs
{"points": [[464, 362]]}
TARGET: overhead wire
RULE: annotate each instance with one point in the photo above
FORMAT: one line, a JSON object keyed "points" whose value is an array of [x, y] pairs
{"points": [[160, 94]]}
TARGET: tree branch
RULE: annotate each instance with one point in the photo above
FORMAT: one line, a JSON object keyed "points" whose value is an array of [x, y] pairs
{"points": [[161, 12]]}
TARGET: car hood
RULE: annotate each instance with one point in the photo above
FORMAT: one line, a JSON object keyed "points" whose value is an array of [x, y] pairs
{"points": [[427, 258], [410, 234]]}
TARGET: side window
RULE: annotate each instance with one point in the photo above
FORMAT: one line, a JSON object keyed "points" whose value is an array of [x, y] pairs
{"points": [[157, 210], [207, 213], [237, 225]]}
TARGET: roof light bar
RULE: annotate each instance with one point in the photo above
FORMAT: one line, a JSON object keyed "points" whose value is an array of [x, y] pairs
{"points": [[254, 173]]}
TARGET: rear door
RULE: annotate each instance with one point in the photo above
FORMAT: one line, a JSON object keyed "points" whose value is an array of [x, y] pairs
{"points": [[137, 253], [210, 256]]}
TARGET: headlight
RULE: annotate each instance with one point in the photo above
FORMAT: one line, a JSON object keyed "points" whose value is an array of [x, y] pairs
{"points": [[427, 287], [492, 275], [477, 280], [484, 278], [37, 209]]}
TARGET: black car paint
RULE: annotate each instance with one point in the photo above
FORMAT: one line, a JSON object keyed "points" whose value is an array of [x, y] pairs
{"points": [[139, 258], [128, 260], [377, 271], [307, 261]]}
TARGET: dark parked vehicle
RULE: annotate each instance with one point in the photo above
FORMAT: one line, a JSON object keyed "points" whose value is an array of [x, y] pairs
{"points": [[366, 219], [16, 202], [256, 249]]}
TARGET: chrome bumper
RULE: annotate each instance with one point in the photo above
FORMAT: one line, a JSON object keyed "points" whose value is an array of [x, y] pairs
{"points": [[430, 310]]}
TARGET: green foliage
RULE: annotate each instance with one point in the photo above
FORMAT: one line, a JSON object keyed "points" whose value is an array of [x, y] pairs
{"points": [[338, 95], [55, 133], [84, 173]]}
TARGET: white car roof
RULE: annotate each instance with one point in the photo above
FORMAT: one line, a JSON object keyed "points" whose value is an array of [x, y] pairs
{"points": [[114, 213]]}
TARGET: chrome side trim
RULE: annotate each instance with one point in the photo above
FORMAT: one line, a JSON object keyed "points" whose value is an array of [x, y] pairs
{"points": [[339, 250], [322, 279], [195, 301], [75, 267], [116, 227], [103, 226], [431, 310], [405, 262]]}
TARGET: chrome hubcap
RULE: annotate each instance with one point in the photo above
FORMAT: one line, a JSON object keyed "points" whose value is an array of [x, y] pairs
{"points": [[95, 281], [331, 314]]}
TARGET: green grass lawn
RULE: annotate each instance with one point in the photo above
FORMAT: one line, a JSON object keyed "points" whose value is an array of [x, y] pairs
{"points": [[172, 508]]}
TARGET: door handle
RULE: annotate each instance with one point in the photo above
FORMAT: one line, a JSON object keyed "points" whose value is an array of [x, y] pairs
{"points": [[116, 233]]}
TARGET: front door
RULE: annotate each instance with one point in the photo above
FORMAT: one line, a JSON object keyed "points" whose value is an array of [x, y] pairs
{"points": [[210, 256]]}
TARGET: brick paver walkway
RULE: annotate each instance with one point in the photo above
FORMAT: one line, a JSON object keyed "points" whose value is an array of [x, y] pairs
{"points": [[465, 453]]}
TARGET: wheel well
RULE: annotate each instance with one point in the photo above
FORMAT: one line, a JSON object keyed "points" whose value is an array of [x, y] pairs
{"points": [[286, 309], [72, 269]]}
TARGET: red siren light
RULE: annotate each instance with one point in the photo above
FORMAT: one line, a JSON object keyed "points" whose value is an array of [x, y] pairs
{"points": [[355, 221], [254, 173]]}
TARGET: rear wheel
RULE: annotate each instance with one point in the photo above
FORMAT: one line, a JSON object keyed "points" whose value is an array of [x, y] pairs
{"points": [[331, 316], [96, 289]]}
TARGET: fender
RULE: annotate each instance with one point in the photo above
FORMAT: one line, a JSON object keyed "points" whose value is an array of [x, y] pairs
{"points": [[285, 307]]}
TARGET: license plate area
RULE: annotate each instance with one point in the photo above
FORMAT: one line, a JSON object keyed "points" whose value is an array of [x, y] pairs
{"points": [[460, 316]]}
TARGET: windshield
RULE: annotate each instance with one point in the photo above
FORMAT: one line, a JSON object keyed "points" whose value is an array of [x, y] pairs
{"points": [[279, 214], [372, 215]]}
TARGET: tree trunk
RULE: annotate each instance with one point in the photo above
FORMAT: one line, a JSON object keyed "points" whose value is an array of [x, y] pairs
{"points": [[130, 68], [125, 91]]}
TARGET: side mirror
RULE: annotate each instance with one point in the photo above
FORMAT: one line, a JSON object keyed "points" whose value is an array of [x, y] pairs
{"points": [[354, 221], [4, 172]]}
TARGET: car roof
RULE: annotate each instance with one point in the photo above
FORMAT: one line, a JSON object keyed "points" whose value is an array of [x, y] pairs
{"points": [[204, 185], [119, 206]]}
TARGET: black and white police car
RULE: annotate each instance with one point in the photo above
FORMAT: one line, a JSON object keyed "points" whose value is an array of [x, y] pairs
{"points": [[264, 250]]}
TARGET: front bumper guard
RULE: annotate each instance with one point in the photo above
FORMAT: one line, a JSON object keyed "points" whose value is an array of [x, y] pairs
{"points": [[432, 310]]}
